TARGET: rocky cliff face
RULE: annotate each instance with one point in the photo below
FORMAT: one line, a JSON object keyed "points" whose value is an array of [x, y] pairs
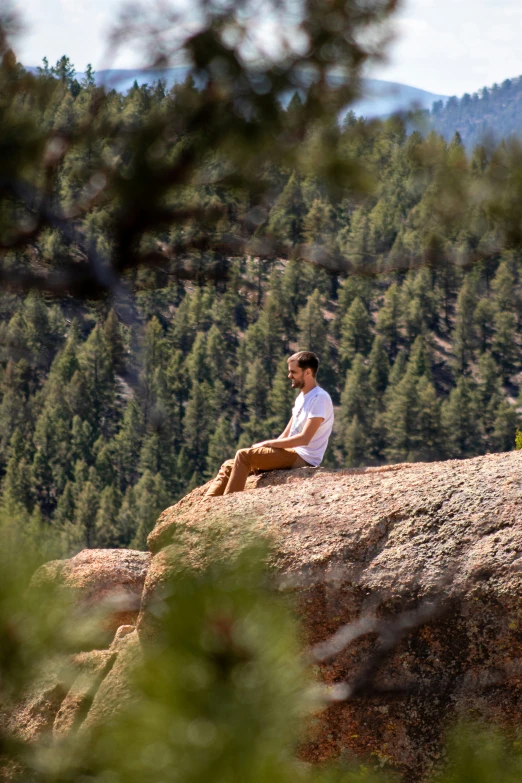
{"points": [[422, 562]]}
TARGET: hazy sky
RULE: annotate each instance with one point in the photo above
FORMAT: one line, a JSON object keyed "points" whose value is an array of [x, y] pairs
{"points": [[444, 46]]}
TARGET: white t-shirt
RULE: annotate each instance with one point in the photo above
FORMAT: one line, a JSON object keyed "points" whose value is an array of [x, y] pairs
{"points": [[314, 404]]}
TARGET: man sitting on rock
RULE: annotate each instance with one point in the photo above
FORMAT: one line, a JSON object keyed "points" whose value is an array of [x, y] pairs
{"points": [[303, 442]]}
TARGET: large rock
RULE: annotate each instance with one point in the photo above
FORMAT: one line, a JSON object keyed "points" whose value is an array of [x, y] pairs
{"points": [[442, 541], [372, 543], [65, 695], [110, 580]]}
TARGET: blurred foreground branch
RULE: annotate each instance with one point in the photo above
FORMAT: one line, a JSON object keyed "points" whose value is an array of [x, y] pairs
{"points": [[193, 167]]}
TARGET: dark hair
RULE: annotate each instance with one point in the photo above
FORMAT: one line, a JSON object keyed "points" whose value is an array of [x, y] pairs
{"points": [[306, 359]]}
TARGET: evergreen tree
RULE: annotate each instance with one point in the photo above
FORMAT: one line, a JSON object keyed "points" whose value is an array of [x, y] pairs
{"points": [[127, 520], [65, 508], [504, 348], [115, 341], [355, 333], [319, 226], [388, 320], [256, 404], [358, 416], [355, 444], [350, 288], [221, 446], [177, 385], [150, 499], [86, 507], [459, 421], [127, 445], [503, 287], [312, 325], [401, 419], [487, 395], [107, 532], [197, 426], [17, 484], [429, 424], [505, 426], [287, 214], [379, 368], [464, 338], [95, 360], [483, 317]]}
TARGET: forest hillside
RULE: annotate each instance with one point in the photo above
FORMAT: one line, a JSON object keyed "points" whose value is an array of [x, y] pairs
{"points": [[112, 409], [492, 114]]}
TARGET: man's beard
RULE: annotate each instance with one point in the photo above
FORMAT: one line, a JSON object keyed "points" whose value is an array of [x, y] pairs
{"points": [[297, 384]]}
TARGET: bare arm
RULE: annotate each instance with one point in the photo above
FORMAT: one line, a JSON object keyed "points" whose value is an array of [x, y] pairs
{"points": [[286, 431], [303, 439]]}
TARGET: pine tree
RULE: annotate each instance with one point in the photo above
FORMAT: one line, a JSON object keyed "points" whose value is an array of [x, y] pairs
{"points": [[127, 518], [379, 368], [355, 444], [115, 341], [96, 363], [388, 320], [150, 499], [86, 508], [312, 326], [181, 332], [65, 508], [503, 287], [504, 347], [107, 532], [483, 318], [256, 404], [39, 338], [464, 338], [505, 426], [429, 445], [287, 215], [487, 394], [221, 446], [13, 408], [355, 333], [196, 364], [217, 357], [319, 226], [177, 385], [292, 289], [401, 419], [81, 440], [127, 445], [413, 318], [77, 395], [66, 363], [17, 484], [356, 397], [459, 421], [420, 360], [350, 288], [104, 463], [196, 426], [271, 323]]}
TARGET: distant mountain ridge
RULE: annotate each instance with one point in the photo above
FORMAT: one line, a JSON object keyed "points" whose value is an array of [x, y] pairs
{"points": [[492, 113], [381, 98]]}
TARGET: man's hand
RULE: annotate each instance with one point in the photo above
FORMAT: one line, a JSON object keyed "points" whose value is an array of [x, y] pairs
{"points": [[269, 444], [302, 439]]}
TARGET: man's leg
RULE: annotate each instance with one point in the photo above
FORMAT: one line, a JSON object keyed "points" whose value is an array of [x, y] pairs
{"points": [[259, 458], [219, 484]]}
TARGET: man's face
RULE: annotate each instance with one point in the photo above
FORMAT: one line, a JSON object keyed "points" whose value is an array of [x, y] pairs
{"points": [[296, 375]]}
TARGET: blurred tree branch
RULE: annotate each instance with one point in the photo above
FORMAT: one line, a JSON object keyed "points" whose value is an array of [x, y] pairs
{"points": [[225, 127]]}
